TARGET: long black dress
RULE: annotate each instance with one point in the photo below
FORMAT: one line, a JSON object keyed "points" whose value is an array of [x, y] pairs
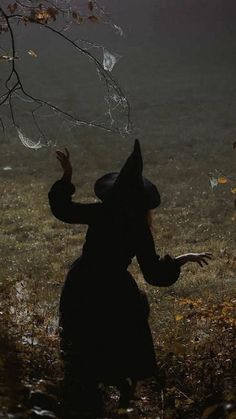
{"points": [[103, 314]]}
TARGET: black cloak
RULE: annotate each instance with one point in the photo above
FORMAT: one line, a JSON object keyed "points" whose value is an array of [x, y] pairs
{"points": [[104, 326]]}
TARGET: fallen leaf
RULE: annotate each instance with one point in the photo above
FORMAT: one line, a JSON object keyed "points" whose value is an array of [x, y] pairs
{"points": [[177, 348], [222, 180], [209, 410], [179, 317], [189, 401], [178, 403], [233, 190], [121, 411]]}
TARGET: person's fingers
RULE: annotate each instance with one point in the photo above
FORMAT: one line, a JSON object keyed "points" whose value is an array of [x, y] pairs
{"points": [[208, 255], [60, 158], [61, 154], [67, 153], [199, 263]]}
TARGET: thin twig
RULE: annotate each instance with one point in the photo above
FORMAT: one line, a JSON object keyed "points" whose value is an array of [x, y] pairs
{"points": [[106, 77], [2, 125]]}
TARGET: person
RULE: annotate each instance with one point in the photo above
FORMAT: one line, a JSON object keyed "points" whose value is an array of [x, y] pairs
{"points": [[104, 330]]}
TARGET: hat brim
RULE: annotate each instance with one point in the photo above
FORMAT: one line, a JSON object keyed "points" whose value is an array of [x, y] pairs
{"points": [[104, 185]]}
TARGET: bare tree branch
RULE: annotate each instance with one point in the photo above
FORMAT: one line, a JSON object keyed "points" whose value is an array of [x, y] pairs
{"points": [[40, 16]]}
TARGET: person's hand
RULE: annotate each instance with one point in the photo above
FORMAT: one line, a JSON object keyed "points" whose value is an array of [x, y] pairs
{"points": [[64, 159], [200, 258]]}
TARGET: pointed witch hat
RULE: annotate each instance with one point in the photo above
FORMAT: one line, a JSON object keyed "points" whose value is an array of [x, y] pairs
{"points": [[129, 185]]}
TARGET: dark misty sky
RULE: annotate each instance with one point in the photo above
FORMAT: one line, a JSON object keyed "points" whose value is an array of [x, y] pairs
{"points": [[173, 50], [170, 24], [177, 30], [197, 19]]}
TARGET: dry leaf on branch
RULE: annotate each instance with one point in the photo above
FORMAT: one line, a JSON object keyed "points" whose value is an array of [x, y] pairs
{"points": [[12, 8], [90, 5], [93, 19]]}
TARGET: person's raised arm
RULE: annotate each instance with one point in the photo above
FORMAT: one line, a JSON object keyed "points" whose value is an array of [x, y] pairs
{"points": [[60, 196], [64, 159]]}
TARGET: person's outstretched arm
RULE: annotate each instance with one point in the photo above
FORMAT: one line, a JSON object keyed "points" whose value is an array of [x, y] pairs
{"points": [[60, 197], [157, 271]]}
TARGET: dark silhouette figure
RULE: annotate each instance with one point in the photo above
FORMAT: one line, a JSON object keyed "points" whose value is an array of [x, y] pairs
{"points": [[105, 336]]}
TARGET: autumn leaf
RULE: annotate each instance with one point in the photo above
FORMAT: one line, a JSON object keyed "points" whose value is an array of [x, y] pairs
{"points": [[233, 190], [177, 348], [121, 411], [179, 317], [42, 15], [191, 303], [25, 20], [90, 5], [52, 13], [39, 15], [178, 403], [209, 410], [93, 19], [12, 7], [222, 180]]}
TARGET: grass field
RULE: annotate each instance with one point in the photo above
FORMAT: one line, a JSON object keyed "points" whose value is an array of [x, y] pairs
{"points": [[192, 322]]}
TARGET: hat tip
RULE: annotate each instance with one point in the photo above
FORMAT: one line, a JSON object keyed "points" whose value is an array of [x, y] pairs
{"points": [[137, 145]]}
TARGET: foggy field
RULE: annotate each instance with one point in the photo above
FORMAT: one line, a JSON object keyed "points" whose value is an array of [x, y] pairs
{"points": [[192, 321]]}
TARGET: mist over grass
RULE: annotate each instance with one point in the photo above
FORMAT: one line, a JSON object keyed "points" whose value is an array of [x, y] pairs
{"points": [[192, 321]]}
